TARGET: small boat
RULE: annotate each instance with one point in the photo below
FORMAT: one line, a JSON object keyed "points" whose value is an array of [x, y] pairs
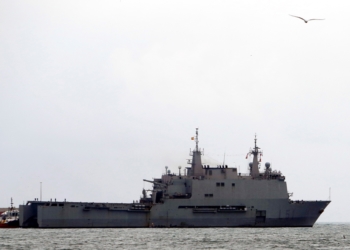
{"points": [[10, 218]]}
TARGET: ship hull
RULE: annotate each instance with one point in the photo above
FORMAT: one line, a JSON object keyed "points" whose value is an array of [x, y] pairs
{"points": [[178, 213], [11, 224]]}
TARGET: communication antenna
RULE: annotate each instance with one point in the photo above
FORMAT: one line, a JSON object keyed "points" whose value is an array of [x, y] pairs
{"points": [[179, 170], [329, 193], [41, 191], [166, 169]]}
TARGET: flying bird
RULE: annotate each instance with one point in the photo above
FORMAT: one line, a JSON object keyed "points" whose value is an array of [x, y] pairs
{"points": [[305, 19]]}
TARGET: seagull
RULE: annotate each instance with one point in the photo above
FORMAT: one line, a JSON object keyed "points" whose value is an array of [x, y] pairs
{"points": [[305, 19]]}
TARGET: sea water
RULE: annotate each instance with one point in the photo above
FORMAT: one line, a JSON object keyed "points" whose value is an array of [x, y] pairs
{"points": [[321, 236]]}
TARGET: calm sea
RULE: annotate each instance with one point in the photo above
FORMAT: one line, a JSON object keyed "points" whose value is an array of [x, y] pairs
{"points": [[321, 236]]}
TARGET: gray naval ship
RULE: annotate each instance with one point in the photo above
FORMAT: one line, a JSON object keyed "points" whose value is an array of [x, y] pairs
{"points": [[203, 196]]}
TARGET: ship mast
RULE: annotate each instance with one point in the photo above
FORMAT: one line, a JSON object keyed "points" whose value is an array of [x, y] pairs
{"points": [[254, 168], [197, 140], [196, 164]]}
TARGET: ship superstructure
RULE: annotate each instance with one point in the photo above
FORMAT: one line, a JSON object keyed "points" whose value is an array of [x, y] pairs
{"points": [[203, 196]]}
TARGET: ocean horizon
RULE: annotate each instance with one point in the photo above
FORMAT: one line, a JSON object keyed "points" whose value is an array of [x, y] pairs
{"points": [[323, 235]]}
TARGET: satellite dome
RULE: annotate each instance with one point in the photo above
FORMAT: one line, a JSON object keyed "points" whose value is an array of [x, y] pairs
{"points": [[267, 164], [251, 164]]}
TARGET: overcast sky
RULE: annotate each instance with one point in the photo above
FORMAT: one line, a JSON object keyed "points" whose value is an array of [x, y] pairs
{"points": [[97, 95]]}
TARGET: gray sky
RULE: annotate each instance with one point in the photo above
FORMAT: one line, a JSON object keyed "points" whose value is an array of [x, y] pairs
{"points": [[97, 95]]}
